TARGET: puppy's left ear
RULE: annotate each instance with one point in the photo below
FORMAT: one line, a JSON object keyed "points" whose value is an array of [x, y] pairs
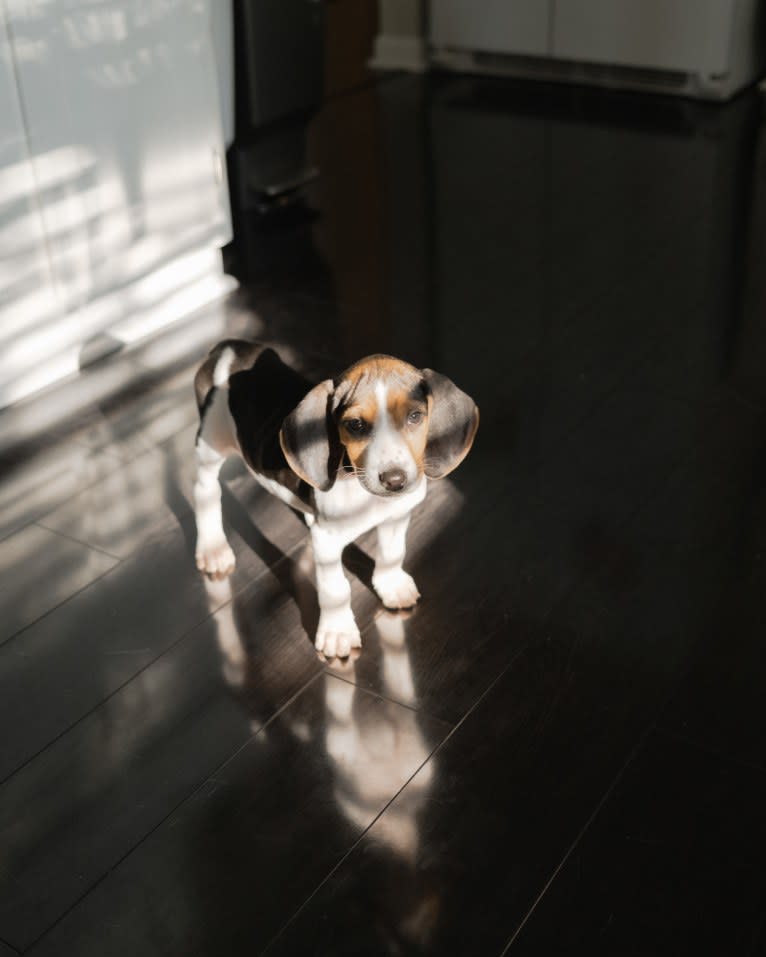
{"points": [[452, 423], [309, 438]]}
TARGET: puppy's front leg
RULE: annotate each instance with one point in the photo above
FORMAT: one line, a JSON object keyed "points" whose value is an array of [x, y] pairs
{"points": [[394, 586], [337, 632]]}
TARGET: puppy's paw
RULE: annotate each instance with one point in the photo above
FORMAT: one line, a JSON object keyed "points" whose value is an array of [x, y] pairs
{"points": [[396, 589], [216, 560], [336, 635]]}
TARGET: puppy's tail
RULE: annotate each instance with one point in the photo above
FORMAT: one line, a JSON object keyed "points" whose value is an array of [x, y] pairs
{"points": [[213, 373], [222, 368], [225, 359]]}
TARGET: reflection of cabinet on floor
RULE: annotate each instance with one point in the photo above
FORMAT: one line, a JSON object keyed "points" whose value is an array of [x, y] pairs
{"points": [[609, 212], [113, 195], [703, 48]]}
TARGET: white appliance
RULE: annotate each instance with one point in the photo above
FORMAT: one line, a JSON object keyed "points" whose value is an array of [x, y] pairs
{"points": [[708, 49], [113, 194]]}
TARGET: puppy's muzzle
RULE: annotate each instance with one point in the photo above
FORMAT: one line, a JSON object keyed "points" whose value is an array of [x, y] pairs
{"points": [[393, 479]]}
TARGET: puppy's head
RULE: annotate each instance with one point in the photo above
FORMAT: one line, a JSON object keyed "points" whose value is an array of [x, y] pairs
{"points": [[384, 421]]}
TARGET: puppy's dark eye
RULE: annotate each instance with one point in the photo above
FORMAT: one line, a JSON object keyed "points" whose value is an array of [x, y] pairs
{"points": [[415, 417], [355, 426]]}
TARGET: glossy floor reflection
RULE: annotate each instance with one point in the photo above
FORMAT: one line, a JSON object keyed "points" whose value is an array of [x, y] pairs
{"points": [[560, 750]]}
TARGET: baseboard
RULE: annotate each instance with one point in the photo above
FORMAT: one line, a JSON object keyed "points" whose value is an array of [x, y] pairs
{"points": [[399, 53]]}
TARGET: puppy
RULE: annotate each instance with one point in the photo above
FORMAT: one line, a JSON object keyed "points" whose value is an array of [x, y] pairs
{"points": [[351, 453]]}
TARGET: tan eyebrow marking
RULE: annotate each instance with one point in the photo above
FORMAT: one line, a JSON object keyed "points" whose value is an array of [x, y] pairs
{"points": [[400, 404], [402, 382]]}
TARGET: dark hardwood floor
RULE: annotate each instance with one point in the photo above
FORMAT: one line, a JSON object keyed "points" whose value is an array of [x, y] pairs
{"points": [[560, 751]]}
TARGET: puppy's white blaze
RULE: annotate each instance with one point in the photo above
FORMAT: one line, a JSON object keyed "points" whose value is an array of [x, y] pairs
{"points": [[387, 447], [223, 368]]}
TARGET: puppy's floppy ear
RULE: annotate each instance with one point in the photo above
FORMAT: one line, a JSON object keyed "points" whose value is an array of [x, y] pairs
{"points": [[452, 423], [310, 439]]}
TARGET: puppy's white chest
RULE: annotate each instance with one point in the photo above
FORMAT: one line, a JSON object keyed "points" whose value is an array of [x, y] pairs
{"points": [[350, 507]]}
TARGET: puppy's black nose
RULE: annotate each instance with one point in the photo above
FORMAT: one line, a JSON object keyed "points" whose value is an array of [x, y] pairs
{"points": [[393, 479]]}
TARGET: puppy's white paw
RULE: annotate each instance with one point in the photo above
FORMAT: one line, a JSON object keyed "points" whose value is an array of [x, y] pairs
{"points": [[217, 560], [396, 589], [337, 635]]}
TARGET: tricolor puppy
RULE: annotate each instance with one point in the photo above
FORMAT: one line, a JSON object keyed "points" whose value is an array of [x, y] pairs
{"points": [[352, 453]]}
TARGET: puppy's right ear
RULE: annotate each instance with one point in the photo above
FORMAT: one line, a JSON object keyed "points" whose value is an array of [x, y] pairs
{"points": [[310, 439]]}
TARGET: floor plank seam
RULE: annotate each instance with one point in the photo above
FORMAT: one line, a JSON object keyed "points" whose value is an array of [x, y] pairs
{"points": [[653, 726], [151, 446], [40, 523], [36, 621], [15, 529], [432, 754], [118, 461], [195, 790], [383, 697], [141, 670], [10, 947], [581, 833]]}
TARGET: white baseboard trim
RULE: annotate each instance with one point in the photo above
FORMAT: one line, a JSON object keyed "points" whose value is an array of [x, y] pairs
{"points": [[399, 53]]}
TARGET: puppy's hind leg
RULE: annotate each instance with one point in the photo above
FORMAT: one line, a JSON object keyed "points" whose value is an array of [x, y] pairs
{"points": [[213, 553]]}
